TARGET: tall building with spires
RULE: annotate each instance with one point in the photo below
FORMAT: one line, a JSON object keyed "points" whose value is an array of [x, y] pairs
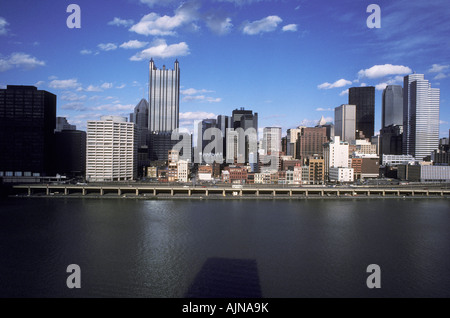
{"points": [[164, 110], [163, 98]]}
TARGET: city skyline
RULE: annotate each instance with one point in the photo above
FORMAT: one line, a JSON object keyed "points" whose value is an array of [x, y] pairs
{"points": [[231, 54]]}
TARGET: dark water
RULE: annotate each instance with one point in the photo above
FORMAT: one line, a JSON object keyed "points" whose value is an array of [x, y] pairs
{"points": [[315, 248]]}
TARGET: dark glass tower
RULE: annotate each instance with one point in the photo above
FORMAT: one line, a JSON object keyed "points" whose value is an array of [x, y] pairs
{"points": [[364, 99], [27, 123]]}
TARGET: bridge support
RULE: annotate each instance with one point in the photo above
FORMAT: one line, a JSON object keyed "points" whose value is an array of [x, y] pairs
{"points": [[171, 192], [83, 192], [29, 190], [47, 191], [119, 192], [154, 192], [257, 193], [137, 191], [66, 191], [101, 191], [190, 192]]}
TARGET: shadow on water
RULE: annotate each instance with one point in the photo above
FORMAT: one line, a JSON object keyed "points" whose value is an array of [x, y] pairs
{"points": [[226, 278]]}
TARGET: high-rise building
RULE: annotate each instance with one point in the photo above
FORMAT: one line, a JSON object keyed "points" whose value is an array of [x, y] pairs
{"points": [[310, 142], [111, 149], [291, 140], [205, 138], [421, 128], [164, 98], [392, 106], [248, 121], [224, 123], [69, 155], [27, 124], [140, 118], [63, 124], [391, 139], [328, 126], [345, 122], [272, 140], [335, 154], [364, 99]]}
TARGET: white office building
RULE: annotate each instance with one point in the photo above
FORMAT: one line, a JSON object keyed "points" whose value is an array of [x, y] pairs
{"points": [[340, 174], [183, 170], [335, 154], [111, 149]]}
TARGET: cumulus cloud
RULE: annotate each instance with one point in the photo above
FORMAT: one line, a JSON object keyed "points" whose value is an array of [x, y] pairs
{"points": [[437, 68], [396, 80], [339, 83], [106, 85], [189, 118], [320, 109], [92, 88], [3, 24], [440, 76], [160, 49], [72, 97], [378, 71], [290, 27], [85, 52], [151, 3], [344, 92], [121, 86], [107, 46], [133, 44], [19, 60], [218, 24], [267, 24], [120, 22], [77, 106], [71, 83], [155, 24], [115, 107]]}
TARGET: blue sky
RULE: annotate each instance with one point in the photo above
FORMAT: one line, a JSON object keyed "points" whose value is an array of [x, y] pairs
{"points": [[291, 61]]}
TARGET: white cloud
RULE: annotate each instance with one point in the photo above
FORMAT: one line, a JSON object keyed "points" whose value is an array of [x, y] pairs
{"points": [[377, 71], [115, 107], [154, 24], [77, 106], [290, 27], [160, 49], [65, 84], [267, 24], [193, 91], [189, 118], [339, 83], [3, 24], [72, 97], [85, 52], [381, 86], [440, 76], [151, 3], [437, 68], [344, 92], [442, 122], [107, 46], [121, 86], [133, 44], [20, 60], [320, 109], [106, 85], [120, 22], [363, 85], [92, 88], [39, 83], [219, 24], [314, 122]]}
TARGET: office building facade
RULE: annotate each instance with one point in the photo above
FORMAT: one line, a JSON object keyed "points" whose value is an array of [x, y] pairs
{"points": [[111, 150], [364, 99], [27, 125], [345, 122]]}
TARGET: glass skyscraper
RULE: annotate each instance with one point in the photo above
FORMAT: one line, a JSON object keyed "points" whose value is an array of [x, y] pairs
{"points": [[164, 98], [421, 121], [364, 99], [392, 106]]}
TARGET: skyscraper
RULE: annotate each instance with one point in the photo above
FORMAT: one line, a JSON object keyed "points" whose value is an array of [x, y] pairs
{"points": [[140, 118], [422, 125], [310, 142], [27, 124], [345, 122], [291, 141], [272, 140], [392, 106], [111, 149], [407, 136], [248, 121], [224, 123], [164, 98], [364, 99]]}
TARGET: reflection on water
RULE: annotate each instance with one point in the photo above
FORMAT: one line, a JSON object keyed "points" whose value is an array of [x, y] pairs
{"points": [[310, 248]]}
